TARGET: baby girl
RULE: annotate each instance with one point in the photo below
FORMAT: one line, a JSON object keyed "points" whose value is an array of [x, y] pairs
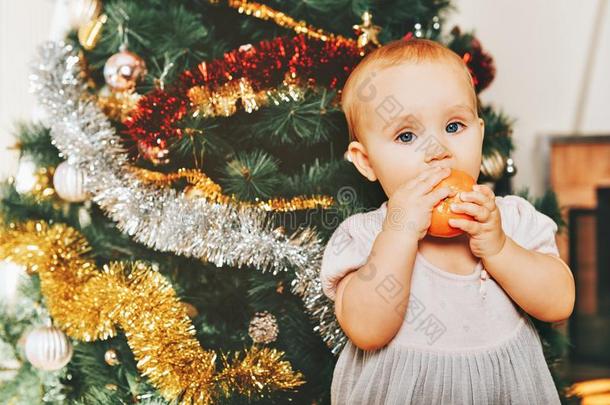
{"points": [[434, 320]]}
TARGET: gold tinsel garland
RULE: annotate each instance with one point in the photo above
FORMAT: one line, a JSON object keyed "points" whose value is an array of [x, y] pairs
{"points": [[223, 101], [203, 186], [117, 105], [281, 19], [88, 304]]}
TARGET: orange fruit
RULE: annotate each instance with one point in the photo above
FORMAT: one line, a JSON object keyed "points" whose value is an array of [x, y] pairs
{"points": [[441, 213]]}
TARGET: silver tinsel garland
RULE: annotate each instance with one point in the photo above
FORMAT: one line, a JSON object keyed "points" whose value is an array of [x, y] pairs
{"points": [[162, 218]]}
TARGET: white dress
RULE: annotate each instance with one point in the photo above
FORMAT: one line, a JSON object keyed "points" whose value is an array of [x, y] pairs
{"points": [[463, 339]]}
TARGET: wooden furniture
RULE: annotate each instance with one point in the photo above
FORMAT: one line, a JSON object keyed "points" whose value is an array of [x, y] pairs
{"points": [[580, 177], [579, 164]]}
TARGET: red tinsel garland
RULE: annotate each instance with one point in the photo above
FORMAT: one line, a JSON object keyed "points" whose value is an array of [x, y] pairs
{"points": [[325, 63], [481, 65]]}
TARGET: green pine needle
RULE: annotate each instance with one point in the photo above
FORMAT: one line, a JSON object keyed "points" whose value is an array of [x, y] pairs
{"points": [[498, 131], [548, 204], [311, 120], [250, 175], [34, 140]]}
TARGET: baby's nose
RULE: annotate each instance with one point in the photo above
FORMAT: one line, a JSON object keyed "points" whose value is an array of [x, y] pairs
{"points": [[437, 151]]}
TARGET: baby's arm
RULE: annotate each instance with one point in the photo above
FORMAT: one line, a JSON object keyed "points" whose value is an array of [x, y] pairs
{"points": [[540, 283], [371, 302], [526, 264]]}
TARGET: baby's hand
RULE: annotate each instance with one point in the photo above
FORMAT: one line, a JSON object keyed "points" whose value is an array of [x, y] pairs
{"points": [[486, 234], [410, 206]]}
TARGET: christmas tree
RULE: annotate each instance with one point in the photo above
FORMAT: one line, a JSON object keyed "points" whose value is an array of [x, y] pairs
{"points": [[169, 214]]}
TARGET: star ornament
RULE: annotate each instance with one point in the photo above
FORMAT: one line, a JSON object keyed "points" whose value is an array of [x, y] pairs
{"points": [[367, 31]]}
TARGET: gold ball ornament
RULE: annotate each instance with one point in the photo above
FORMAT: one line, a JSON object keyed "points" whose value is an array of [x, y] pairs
{"points": [[69, 182], [111, 357], [493, 165], [263, 328], [48, 348], [123, 70]]}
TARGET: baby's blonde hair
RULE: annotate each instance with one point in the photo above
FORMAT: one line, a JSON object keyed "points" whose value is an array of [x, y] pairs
{"points": [[394, 53]]}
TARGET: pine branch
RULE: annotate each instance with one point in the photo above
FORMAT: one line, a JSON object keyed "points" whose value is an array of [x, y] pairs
{"points": [[34, 140], [498, 131], [317, 178], [17, 208], [251, 175], [29, 385], [311, 120], [162, 33]]}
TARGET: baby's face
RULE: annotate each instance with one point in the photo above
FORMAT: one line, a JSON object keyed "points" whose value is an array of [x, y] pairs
{"points": [[414, 116]]}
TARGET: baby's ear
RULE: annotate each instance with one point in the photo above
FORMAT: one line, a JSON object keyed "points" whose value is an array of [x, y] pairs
{"points": [[358, 156], [482, 124]]}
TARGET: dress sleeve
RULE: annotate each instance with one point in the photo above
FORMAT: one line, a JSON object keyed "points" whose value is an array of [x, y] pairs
{"points": [[529, 227], [347, 250]]}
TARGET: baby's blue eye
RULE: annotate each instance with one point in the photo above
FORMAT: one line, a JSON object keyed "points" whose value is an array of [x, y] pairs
{"points": [[405, 136], [453, 126]]}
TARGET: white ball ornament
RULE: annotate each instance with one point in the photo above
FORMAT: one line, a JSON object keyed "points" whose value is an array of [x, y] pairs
{"points": [[12, 276], [25, 178], [48, 348], [69, 182]]}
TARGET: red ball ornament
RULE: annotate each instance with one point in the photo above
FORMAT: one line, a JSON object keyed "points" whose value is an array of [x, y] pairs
{"points": [[441, 214]]}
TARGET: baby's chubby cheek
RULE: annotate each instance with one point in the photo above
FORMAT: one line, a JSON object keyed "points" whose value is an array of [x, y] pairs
{"points": [[393, 169]]}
